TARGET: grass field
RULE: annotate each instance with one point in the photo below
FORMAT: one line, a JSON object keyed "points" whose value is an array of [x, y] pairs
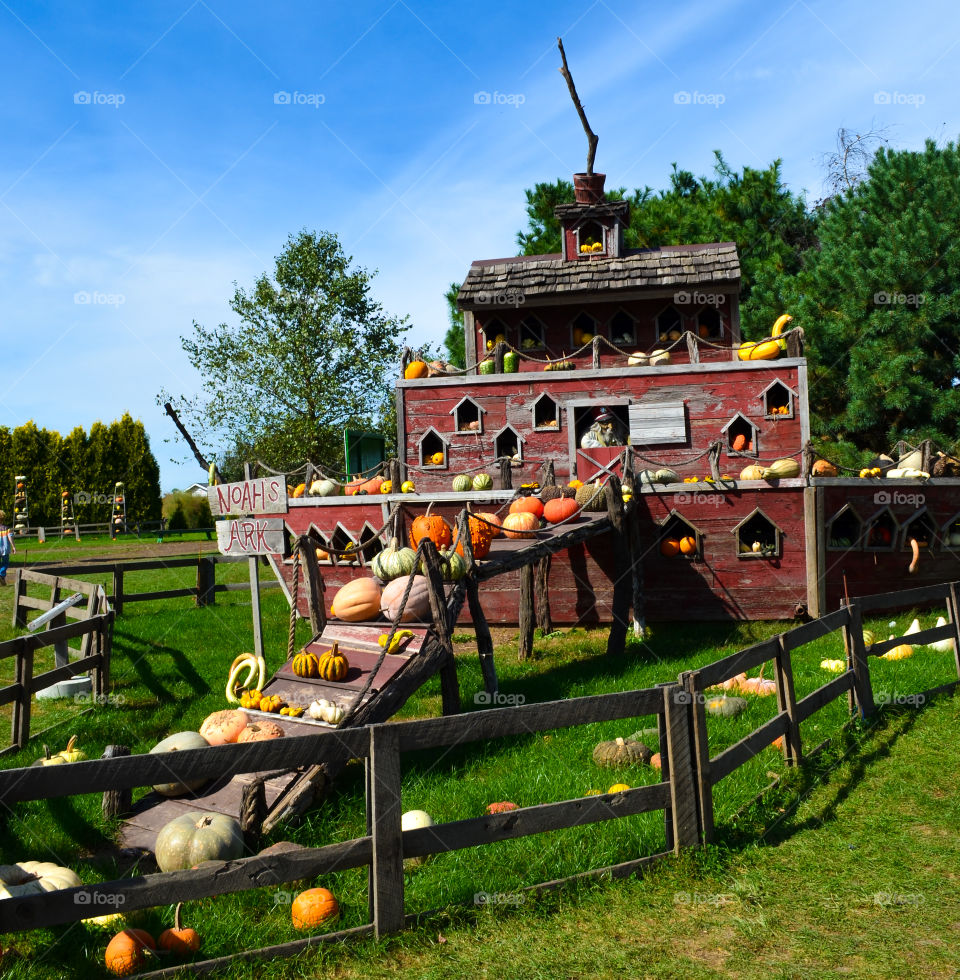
{"points": [[170, 660]]}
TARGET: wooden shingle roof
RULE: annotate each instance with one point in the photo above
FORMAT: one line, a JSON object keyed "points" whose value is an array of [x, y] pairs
{"points": [[541, 276]]}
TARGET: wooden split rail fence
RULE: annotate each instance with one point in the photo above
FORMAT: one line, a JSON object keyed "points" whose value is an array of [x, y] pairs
{"points": [[684, 794], [93, 626], [204, 592]]}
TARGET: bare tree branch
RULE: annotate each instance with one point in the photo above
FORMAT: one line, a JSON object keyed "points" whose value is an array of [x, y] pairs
{"points": [[592, 138]]}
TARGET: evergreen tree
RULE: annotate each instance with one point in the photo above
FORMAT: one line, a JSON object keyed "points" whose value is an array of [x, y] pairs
{"points": [[454, 341], [879, 302]]}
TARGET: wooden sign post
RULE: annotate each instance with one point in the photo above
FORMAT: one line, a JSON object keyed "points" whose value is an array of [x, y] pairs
{"points": [[247, 532]]}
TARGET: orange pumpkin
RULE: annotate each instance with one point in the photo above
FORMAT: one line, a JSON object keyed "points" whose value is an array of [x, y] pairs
{"points": [[260, 731], [669, 547], [223, 727], [313, 907], [178, 940], [688, 545], [431, 526], [299, 489], [531, 505], [520, 524], [416, 369], [823, 467], [370, 486], [357, 601], [739, 443], [560, 509], [493, 524], [128, 951], [480, 537]]}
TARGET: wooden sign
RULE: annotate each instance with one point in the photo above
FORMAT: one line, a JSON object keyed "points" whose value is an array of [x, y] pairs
{"points": [[264, 496], [252, 536]]}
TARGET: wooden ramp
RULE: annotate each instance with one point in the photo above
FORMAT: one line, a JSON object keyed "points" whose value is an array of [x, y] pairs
{"points": [[358, 641]]}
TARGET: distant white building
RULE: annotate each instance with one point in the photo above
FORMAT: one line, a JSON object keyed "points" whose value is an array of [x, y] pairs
{"points": [[196, 489]]}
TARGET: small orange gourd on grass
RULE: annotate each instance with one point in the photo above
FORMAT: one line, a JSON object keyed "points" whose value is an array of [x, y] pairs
{"points": [[128, 951], [313, 907], [179, 940]]}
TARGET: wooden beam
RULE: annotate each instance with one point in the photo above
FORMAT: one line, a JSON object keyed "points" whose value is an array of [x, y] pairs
{"points": [[525, 649]]}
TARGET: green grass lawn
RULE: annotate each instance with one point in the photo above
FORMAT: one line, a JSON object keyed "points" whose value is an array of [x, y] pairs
{"points": [[170, 662]]}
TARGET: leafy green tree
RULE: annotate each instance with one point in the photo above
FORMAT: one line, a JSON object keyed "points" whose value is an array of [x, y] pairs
{"points": [[312, 353], [879, 302], [454, 340]]}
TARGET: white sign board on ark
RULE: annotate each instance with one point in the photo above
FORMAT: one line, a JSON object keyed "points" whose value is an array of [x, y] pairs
{"points": [[264, 496], [251, 536]]}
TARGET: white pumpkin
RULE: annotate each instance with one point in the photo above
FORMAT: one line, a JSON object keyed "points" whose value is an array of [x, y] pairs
{"points": [[942, 646], [34, 878], [328, 711], [415, 820]]}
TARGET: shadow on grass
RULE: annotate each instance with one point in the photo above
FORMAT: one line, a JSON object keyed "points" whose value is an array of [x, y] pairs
{"points": [[139, 654]]}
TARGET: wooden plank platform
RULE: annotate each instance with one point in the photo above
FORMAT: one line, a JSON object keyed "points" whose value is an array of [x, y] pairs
{"points": [[358, 641]]}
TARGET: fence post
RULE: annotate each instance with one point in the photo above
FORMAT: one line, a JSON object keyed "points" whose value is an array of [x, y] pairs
{"points": [[857, 659], [206, 580], [526, 614], [21, 733], [953, 611], [117, 590], [681, 767], [116, 803], [19, 591], [700, 751], [787, 701], [386, 871]]}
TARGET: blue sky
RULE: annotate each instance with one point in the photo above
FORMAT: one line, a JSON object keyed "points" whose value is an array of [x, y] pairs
{"points": [[153, 154]]}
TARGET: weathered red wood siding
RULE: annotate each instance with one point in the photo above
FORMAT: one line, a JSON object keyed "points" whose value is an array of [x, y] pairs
{"points": [[712, 398]]}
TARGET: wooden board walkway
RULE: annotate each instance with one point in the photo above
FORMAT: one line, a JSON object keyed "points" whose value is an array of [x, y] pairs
{"points": [[358, 641]]}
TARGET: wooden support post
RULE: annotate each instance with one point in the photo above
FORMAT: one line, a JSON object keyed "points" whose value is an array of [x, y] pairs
{"points": [[926, 455], [622, 579], [506, 474], [681, 767], [525, 638], [953, 611], [714, 459], [635, 554], [117, 803], [19, 591], [595, 353], [794, 340], [693, 348], [809, 458], [498, 353], [665, 769], [255, 591], [117, 590], [548, 476], [787, 701], [484, 639], [313, 583], [386, 868], [206, 580], [541, 594], [699, 751], [858, 660], [449, 685]]}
